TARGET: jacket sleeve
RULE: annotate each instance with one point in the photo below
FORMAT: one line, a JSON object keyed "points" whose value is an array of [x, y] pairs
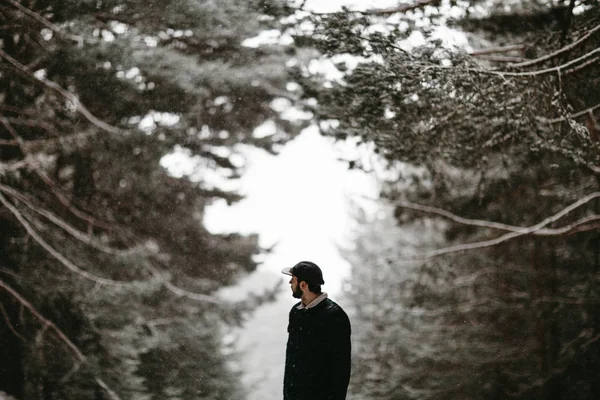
{"points": [[339, 355]]}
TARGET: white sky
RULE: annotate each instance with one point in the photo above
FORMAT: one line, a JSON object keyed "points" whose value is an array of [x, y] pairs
{"points": [[299, 200]]}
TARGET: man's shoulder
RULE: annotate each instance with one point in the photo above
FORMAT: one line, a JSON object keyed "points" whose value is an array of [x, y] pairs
{"points": [[295, 307], [331, 307]]}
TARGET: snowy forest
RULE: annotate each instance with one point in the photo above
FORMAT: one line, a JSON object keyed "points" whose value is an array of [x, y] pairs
{"points": [[478, 278]]}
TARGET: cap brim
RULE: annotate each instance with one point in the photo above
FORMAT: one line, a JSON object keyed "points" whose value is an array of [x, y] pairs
{"points": [[287, 271]]}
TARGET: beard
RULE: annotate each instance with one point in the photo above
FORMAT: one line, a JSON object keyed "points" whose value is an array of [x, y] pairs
{"points": [[297, 293]]}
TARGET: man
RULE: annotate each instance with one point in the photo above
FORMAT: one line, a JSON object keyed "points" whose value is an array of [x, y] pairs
{"points": [[317, 362]]}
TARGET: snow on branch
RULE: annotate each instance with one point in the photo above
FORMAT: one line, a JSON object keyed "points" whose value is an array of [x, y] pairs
{"points": [[57, 331]]}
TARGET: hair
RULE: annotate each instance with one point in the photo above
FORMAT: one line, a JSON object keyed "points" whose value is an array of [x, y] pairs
{"points": [[314, 288]]}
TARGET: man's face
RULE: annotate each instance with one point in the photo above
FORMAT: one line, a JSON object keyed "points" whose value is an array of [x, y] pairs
{"points": [[296, 291]]}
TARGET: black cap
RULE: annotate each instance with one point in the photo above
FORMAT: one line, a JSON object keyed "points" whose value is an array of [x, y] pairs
{"points": [[306, 271]]}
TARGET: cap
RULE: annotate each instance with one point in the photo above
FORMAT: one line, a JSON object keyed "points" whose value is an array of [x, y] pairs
{"points": [[306, 271]]}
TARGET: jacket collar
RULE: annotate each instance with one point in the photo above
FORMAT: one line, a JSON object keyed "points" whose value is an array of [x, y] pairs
{"points": [[313, 303]]}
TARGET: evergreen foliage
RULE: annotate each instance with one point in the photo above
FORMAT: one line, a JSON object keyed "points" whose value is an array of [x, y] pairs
{"points": [[106, 271]]}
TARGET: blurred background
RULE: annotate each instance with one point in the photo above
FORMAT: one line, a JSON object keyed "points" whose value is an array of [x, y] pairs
{"points": [[162, 161]]}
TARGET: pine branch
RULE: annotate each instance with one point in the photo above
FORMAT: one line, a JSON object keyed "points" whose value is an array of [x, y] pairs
{"points": [[572, 116], [37, 17], [63, 92], [503, 238], [58, 332], [64, 200], [77, 234], [54, 253]]}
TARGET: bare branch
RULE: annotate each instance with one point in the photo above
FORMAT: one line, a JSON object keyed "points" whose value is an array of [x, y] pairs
{"points": [[506, 237], [387, 11], [507, 59], [497, 225], [581, 66], [58, 256], [63, 92], [563, 69], [557, 52], [77, 234], [59, 333], [573, 116], [557, 69]]}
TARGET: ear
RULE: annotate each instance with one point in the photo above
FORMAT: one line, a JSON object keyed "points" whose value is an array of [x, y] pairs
{"points": [[303, 285]]}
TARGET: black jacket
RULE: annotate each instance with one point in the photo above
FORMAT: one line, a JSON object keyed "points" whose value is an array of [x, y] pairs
{"points": [[317, 363]]}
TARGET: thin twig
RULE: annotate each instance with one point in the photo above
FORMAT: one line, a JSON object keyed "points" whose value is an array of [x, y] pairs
{"points": [[581, 66], [58, 332]]}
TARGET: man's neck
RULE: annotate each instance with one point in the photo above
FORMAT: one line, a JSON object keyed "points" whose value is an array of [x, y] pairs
{"points": [[308, 297]]}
